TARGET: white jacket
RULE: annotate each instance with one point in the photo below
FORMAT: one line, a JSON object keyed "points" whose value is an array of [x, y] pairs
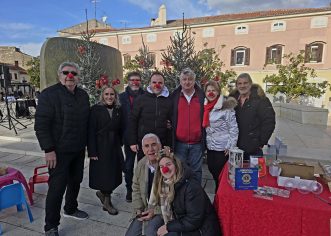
{"points": [[222, 133]]}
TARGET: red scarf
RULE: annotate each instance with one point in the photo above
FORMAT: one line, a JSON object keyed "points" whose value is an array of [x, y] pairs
{"points": [[207, 108]]}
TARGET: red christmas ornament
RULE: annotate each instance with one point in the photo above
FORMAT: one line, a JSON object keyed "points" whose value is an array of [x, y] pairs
{"points": [[142, 62], [217, 78], [81, 50], [97, 83], [165, 169], [118, 81], [113, 82]]}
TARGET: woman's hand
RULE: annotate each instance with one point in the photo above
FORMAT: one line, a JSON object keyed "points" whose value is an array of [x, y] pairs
{"points": [[146, 215], [94, 158], [162, 230], [226, 152]]}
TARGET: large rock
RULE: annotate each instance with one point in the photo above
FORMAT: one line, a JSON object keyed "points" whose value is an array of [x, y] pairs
{"points": [[57, 50]]}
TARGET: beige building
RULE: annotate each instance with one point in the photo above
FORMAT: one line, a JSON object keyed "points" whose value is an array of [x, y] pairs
{"points": [[251, 42], [13, 55]]}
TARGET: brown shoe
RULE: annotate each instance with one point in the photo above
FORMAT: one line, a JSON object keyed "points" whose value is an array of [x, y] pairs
{"points": [[108, 206]]}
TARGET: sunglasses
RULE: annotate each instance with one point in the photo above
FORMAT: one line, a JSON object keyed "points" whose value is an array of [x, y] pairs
{"points": [[65, 72]]}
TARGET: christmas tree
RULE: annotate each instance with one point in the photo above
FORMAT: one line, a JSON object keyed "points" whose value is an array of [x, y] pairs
{"points": [[90, 70], [143, 63], [212, 68], [180, 55]]}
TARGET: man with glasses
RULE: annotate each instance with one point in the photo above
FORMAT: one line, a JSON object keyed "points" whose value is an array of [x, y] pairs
{"points": [[127, 98], [61, 122]]}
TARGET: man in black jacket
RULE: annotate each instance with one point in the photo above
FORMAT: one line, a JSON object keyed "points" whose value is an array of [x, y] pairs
{"points": [[127, 99], [151, 113], [255, 116], [61, 122]]}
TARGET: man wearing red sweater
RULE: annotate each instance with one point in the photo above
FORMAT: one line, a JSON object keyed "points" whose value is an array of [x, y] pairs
{"points": [[188, 135]]}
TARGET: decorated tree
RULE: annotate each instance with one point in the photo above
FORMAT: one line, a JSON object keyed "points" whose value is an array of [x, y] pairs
{"points": [[292, 79], [212, 67], [143, 62], [91, 73], [179, 55], [34, 71]]}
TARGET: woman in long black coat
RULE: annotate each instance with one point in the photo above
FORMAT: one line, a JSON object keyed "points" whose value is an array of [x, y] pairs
{"points": [[104, 147]]}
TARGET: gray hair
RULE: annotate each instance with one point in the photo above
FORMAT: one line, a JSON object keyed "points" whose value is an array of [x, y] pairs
{"points": [[68, 63], [188, 72], [151, 135], [244, 76]]}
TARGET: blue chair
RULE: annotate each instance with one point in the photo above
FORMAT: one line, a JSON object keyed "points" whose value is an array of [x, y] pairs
{"points": [[11, 195]]}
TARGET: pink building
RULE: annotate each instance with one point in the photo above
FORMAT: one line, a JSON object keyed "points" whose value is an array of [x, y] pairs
{"points": [[251, 42]]}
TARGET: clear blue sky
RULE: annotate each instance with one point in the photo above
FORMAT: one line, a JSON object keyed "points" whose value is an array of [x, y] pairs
{"points": [[27, 23]]}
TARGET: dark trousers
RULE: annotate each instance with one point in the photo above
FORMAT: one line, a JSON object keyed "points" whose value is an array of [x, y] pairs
{"points": [[258, 152], [216, 161], [140, 153], [128, 166], [66, 176]]}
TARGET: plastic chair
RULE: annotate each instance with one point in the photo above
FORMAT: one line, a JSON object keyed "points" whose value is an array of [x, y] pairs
{"points": [[11, 195], [38, 178]]}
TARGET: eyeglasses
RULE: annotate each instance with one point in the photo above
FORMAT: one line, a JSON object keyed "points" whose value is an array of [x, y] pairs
{"points": [[111, 94], [65, 72]]}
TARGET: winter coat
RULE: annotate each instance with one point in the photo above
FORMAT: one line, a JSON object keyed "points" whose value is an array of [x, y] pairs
{"points": [[149, 115], [126, 108], [175, 100], [256, 120], [105, 142], [61, 119], [140, 187], [222, 132], [192, 209]]}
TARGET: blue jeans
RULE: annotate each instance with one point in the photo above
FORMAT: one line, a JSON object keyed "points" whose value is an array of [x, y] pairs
{"points": [[191, 154]]}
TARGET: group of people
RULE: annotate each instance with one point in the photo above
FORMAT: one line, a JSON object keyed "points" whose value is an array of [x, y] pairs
{"points": [[169, 134]]}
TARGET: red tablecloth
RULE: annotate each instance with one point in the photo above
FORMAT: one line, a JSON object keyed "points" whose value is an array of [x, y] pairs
{"points": [[242, 214]]}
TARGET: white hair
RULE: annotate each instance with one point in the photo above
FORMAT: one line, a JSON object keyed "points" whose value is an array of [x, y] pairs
{"points": [[151, 135]]}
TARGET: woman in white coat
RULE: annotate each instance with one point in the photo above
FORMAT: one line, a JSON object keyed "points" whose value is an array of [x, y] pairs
{"points": [[221, 127]]}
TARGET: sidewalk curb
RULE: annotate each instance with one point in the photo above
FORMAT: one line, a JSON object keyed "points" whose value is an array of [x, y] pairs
{"points": [[25, 140], [27, 153]]}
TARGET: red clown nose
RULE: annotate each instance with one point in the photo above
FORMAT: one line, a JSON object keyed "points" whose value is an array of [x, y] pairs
{"points": [[165, 169], [157, 86], [70, 76], [211, 94]]}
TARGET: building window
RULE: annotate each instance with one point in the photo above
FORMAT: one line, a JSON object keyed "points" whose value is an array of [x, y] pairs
{"points": [[126, 39], [241, 29], [314, 52], [240, 56], [103, 41], [150, 38], [208, 33], [278, 26], [126, 58], [152, 58], [319, 22], [274, 54]]}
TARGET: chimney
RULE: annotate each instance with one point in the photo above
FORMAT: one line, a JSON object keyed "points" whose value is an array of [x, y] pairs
{"points": [[16, 63], [162, 15]]}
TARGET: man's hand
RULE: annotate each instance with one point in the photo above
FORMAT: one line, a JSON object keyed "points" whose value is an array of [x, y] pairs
{"points": [[169, 126], [146, 215], [134, 148], [162, 230], [50, 159], [94, 158]]}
